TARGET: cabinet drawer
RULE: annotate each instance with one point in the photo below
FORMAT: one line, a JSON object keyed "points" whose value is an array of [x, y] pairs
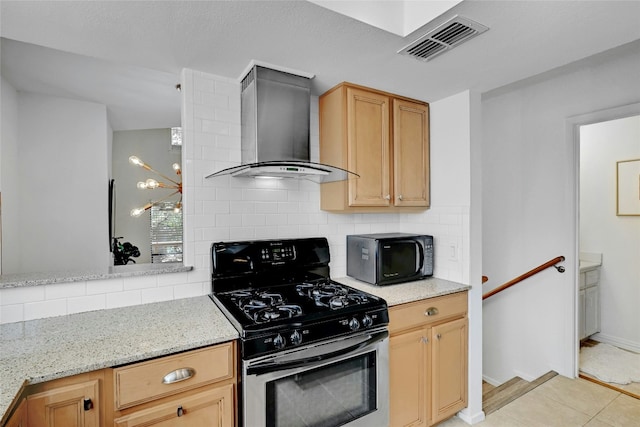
{"points": [[212, 407], [145, 381], [427, 311]]}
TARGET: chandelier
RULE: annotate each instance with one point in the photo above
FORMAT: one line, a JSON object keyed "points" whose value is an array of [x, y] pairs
{"points": [[152, 184]]}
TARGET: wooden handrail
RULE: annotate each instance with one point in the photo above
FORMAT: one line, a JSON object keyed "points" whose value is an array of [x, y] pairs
{"points": [[551, 263]]}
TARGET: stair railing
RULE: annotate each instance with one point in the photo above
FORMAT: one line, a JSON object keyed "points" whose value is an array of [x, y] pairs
{"points": [[538, 269]]}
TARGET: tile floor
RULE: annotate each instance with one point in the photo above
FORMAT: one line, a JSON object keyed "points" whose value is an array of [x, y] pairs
{"points": [[564, 402]]}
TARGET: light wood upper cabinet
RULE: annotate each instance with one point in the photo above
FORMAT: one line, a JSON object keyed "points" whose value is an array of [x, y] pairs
{"points": [[382, 137], [411, 153], [428, 360]]}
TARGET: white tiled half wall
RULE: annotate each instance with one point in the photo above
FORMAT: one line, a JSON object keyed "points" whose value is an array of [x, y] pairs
{"points": [[226, 208]]}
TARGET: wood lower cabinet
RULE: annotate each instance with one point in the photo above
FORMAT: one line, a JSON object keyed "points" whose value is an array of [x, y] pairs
{"points": [[383, 138], [69, 402], [408, 390], [195, 389], [211, 407], [428, 360], [191, 389], [19, 417]]}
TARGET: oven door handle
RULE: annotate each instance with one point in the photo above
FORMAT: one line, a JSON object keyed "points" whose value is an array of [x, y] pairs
{"points": [[272, 365]]}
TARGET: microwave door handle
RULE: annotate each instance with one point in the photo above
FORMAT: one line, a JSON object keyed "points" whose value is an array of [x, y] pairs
{"points": [[274, 366], [421, 251]]}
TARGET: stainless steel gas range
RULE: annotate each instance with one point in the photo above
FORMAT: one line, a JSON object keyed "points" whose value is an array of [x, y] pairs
{"points": [[314, 351]]}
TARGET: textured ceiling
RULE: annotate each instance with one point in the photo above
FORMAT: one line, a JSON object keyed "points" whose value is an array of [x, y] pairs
{"points": [[221, 37]]}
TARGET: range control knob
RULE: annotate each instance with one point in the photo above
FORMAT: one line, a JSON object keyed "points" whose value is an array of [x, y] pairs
{"points": [[279, 342], [354, 325], [296, 338], [367, 321]]}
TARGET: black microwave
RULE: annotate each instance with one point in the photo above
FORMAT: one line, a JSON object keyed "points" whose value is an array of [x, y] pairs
{"points": [[387, 258]]}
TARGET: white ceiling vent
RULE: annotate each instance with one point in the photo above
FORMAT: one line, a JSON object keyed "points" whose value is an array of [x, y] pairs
{"points": [[446, 36]]}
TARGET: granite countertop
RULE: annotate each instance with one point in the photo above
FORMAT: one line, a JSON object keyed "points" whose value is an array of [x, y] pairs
{"points": [[112, 272], [46, 349], [407, 292]]}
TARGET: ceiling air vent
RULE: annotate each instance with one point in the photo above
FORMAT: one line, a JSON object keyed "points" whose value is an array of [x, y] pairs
{"points": [[442, 38]]}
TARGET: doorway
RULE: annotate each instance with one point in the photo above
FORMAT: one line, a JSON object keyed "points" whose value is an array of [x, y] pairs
{"points": [[608, 242]]}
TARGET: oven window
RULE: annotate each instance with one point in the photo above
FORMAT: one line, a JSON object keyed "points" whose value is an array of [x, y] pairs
{"points": [[328, 396]]}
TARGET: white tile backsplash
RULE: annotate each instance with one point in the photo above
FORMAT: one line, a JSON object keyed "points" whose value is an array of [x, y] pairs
{"points": [[225, 208]]}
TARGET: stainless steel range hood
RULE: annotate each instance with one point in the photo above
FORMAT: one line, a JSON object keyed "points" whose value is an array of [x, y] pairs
{"points": [[275, 108]]}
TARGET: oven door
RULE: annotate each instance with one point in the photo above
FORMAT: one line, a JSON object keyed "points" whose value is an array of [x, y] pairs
{"points": [[337, 383]]}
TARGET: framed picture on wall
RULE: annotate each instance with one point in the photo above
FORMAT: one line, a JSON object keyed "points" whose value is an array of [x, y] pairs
{"points": [[628, 187]]}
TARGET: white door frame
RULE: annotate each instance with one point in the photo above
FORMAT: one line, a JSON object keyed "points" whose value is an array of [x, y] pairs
{"points": [[573, 140]]}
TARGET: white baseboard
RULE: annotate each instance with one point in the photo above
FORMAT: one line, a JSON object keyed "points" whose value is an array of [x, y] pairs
{"points": [[491, 381], [471, 418], [618, 342], [526, 377]]}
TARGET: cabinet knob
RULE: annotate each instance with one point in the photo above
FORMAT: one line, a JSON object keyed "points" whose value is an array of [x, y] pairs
{"points": [[400, 197], [387, 197], [424, 340], [180, 411], [439, 336], [88, 404], [431, 311]]}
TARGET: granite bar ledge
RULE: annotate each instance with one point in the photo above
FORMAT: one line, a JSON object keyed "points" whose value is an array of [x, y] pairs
{"points": [[113, 272]]}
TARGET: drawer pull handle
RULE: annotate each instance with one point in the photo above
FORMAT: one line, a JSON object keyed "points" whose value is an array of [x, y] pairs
{"points": [[178, 375], [180, 411], [431, 311]]}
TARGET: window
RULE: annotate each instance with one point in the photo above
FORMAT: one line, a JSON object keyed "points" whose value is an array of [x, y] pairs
{"points": [[166, 233]]}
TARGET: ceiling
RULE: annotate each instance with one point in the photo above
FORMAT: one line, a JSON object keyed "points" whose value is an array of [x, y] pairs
{"points": [[525, 38]]}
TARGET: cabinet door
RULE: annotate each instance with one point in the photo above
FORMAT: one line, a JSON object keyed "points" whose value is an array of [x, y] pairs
{"points": [[591, 311], [19, 417], [449, 369], [65, 406], [368, 148], [410, 153], [408, 391], [212, 407]]}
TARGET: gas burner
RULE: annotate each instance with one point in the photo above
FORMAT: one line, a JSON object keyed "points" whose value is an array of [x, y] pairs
{"points": [[339, 301], [320, 290], [269, 314], [329, 294], [253, 300]]}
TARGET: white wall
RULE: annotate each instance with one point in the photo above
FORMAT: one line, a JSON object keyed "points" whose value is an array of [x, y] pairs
{"points": [[60, 180], [8, 152], [152, 146], [529, 209], [602, 231]]}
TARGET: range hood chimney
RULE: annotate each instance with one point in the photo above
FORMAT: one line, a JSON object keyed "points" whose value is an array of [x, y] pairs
{"points": [[275, 110]]}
